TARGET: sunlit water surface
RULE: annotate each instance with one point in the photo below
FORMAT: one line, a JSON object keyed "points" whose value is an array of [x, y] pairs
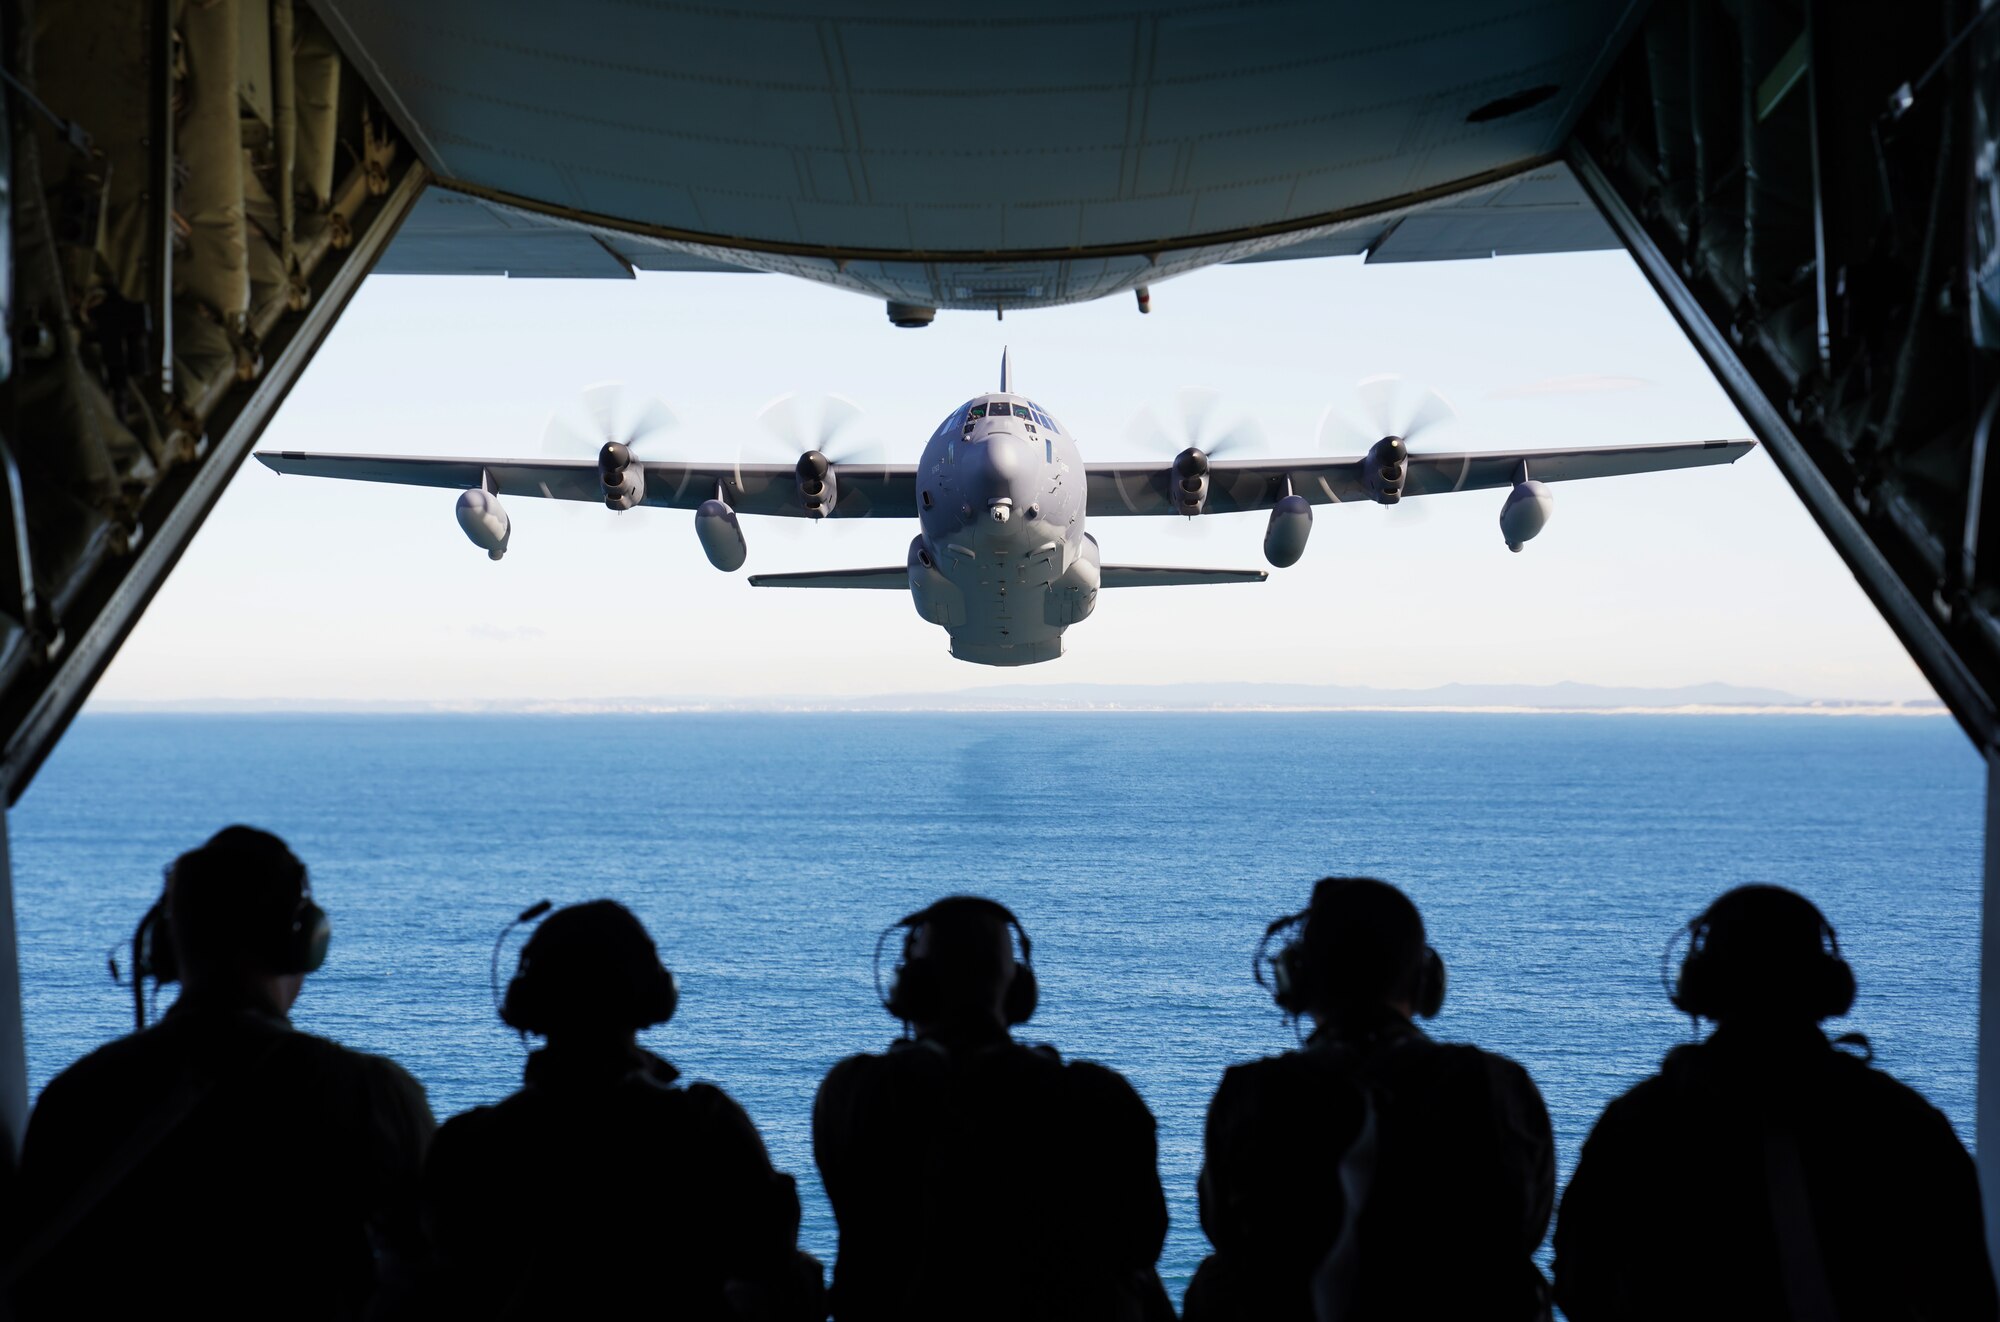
{"points": [[1553, 857]]}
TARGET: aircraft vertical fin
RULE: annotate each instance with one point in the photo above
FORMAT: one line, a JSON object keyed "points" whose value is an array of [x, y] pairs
{"points": [[1006, 377]]}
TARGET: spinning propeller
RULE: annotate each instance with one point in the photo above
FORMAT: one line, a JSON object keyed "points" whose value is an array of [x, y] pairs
{"points": [[619, 427], [1390, 406], [1193, 436], [796, 425], [615, 417], [1192, 426], [816, 435], [1393, 413]]}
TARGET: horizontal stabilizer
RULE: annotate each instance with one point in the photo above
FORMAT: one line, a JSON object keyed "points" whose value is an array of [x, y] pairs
{"points": [[1160, 576], [891, 576]]}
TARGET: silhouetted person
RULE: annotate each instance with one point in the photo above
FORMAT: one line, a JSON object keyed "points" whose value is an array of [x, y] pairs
{"points": [[977, 1178], [1375, 1174], [1762, 1173], [220, 1163], [605, 1187]]}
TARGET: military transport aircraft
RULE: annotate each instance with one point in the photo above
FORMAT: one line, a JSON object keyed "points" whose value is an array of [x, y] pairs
{"points": [[1002, 559]]}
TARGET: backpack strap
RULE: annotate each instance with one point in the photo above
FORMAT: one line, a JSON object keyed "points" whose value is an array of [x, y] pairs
{"points": [[186, 1098], [1808, 1296], [1336, 1279]]}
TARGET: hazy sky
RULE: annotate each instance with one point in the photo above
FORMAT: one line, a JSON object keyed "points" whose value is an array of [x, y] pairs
{"points": [[298, 587]]}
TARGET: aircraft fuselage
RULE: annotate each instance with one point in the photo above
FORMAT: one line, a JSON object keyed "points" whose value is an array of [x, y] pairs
{"points": [[1003, 562]]}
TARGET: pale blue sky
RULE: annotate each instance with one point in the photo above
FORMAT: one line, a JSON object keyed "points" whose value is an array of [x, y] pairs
{"points": [[304, 588]]}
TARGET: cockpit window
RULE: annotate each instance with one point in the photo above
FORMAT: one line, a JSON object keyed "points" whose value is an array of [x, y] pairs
{"points": [[1023, 411], [977, 411]]}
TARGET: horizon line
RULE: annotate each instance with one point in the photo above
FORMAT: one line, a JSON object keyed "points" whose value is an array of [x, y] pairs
{"points": [[1027, 695], [891, 705]]}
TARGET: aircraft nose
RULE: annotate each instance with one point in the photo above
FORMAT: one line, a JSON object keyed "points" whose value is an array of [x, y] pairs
{"points": [[1006, 456], [1009, 469]]}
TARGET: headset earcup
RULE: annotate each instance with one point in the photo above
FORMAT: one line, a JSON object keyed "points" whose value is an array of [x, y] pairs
{"points": [[1288, 979], [666, 998], [1837, 994], [309, 940], [911, 993], [517, 1008], [1690, 991], [157, 958], [1023, 995], [1430, 985]]}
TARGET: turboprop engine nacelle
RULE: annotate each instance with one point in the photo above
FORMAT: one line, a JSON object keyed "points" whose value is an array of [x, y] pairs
{"points": [[935, 596], [1285, 536], [1190, 492], [479, 513], [1385, 469], [1073, 595], [1526, 512], [721, 535], [818, 489], [624, 481]]}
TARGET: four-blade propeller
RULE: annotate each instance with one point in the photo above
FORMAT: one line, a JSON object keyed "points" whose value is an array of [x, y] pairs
{"points": [[1393, 413], [619, 428], [796, 425], [815, 435], [1390, 406], [615, 416], [1192, 425], [1192, 433]]}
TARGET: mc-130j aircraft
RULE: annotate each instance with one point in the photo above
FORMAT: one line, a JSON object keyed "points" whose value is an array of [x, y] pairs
{"points": [[1002, 559]]}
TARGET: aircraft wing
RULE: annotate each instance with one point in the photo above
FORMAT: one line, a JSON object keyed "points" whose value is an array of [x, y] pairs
{"points": [[1235, 485], [865, 490]]}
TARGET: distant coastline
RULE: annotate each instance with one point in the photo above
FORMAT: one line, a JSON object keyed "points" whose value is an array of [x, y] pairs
{"points": [[1569, 698]]}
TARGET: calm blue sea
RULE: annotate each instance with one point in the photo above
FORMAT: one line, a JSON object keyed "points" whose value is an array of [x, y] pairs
{"points": [[1553, 857]]}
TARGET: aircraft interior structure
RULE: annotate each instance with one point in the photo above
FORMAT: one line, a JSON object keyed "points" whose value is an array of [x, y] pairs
{"points": [[193, 192]]}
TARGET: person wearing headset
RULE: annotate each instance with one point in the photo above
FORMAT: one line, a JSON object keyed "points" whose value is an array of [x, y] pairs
{"points": [[974, 1177], [1375, 1173], [220, 1163], [604, 1186], [1764, 1172]]}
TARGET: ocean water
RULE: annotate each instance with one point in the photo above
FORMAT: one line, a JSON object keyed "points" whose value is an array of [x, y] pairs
{"points": [[1553, 857]]}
